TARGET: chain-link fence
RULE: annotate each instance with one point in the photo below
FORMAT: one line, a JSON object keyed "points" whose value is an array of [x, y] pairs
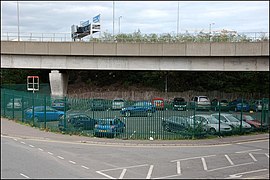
{"points": [[146, 119]]}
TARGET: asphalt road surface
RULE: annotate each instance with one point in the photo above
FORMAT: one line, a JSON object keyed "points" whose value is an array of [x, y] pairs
{"points": [[48, 158]]}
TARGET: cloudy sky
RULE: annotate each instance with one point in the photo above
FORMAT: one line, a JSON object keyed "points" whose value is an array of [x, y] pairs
{"points": [[148, 16]]}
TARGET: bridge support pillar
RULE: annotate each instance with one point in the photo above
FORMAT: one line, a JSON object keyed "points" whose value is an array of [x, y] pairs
{"points": [[58, 83]]}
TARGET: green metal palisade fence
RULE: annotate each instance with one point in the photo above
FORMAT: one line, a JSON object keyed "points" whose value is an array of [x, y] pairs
{"points": [[165, 123]]}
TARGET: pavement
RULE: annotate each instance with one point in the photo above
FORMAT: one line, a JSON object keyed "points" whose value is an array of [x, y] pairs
{"points": [[13, 129]]}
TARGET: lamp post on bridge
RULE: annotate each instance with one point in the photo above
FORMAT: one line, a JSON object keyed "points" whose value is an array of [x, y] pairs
{"points": [[119, 23], [210, 25]]}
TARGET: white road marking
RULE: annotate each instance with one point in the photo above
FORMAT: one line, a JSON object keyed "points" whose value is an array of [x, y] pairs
{"points": [[204, 164], [253, 141], [229, 159], [40, 149], [259, 170], [191, 158], [15, 139], [60, 157], [50, 153], [254, 159], [24, 175], [267, 155], [178, 167], [150, 172], [72, 162], [248, 151], [84, 167], [31, 145], [123, 167], [22, 142], [110, 177], [122, 174], [230, 166], [166, 177]]}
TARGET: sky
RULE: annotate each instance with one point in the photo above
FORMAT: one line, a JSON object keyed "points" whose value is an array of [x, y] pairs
{"points": [[147, 16]]}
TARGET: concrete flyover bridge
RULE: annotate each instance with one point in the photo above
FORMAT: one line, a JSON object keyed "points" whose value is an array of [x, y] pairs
{"points": [[188, 56]]}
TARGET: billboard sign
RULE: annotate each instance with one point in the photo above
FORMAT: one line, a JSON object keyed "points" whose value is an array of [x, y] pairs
{"points": [[85, 23], [96, 19]]}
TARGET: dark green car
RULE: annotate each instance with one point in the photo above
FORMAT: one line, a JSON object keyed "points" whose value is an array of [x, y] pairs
{"points": [[224, 105]]}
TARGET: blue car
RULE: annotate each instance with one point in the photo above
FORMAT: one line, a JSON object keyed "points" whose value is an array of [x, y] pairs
{"points": [[236, 105], [139, 108], [109, 127], [39, 114]]}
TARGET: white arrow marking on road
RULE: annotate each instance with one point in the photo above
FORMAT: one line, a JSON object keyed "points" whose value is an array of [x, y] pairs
{"points": [[150, 172], [240, 174], [122, 174]]}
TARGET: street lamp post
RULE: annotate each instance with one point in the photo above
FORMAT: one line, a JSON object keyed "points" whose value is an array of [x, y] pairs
{"points": [[113, 17], [119, 23], [18, 18], [210, 25]]}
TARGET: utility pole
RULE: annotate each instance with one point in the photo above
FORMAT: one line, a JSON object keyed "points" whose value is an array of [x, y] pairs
{"points": [[119, 24], [178, 19], [113, 17], [18, 18]]}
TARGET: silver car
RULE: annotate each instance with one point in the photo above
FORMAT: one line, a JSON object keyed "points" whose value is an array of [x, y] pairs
{"points": [[231, 120], [19, 104], [212, 123], [118, 104]]}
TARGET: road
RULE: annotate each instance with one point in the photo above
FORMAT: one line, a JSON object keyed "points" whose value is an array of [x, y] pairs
{"points": [[48, 158]]}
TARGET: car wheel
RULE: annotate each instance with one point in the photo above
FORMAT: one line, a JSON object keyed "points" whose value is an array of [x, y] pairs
{"points": [[149, 113], [212, 131], [167, 128], [127, 114]]}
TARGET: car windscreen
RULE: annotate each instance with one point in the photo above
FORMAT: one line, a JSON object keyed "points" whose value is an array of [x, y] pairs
{"points": [[105, 122], [212, 120], [142, 104], [203, 99], [232, 118]]}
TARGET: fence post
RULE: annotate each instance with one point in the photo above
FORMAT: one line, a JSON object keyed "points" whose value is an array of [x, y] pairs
{"points": [[65, 119], [219, 118], [13, 115], [22, 109], [241, 116], [33, 109], [4, 102]]}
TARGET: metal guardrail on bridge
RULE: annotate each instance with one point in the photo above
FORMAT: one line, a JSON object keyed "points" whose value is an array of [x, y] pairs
{"points": [[152, 38]]}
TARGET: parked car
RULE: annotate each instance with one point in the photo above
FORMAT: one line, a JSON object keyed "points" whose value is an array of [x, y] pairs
{"points": [[254, 123], [109, 127], [181, 124], [231, 120], [77, 120], [99, 104], [59, 104], [139, 108], [212, 124], [179, 104], [260, 105], [224, 105], [118, 104], [200, 102], [158, 103], [39, 113], [19, 104], [236, 105]]}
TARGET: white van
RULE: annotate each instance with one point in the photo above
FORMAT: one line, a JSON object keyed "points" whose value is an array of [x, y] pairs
{"points": [[201, 102]]}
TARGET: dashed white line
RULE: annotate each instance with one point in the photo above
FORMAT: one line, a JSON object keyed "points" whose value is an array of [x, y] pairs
{"points": [[122, 174], [267, 155], [123, 167], [72, 162], [24, 175], [110, 177], [150, 172], [22, 142], [204, 164], [31, 145], [229, 159], [254, 159], [178, 167], [84, 167], [40, 149], [60, 157], [50, 153], [248, 151], [15, 139]]}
